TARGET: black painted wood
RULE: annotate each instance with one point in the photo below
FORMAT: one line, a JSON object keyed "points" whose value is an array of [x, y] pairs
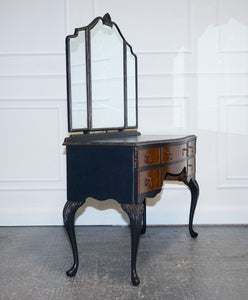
{"points": [[194, 188], [69, 211], [107, 168], [143, 229], [135, 212], [101, 172], [127, 138]]}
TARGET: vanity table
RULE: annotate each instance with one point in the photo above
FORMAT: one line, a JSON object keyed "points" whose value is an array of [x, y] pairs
{"points": [[109, 158]]}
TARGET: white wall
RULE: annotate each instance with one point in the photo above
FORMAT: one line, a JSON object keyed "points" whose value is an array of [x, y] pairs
{"points": [[193, 78]]}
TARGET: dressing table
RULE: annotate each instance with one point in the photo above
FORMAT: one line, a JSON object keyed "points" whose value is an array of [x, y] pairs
{"points": [[109, 158]]}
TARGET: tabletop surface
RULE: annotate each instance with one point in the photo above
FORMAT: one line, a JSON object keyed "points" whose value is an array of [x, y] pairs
{"points": [[138, 140]]}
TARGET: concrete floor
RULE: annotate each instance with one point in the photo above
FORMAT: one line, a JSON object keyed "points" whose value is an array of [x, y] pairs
{"points": [[171, 265]]}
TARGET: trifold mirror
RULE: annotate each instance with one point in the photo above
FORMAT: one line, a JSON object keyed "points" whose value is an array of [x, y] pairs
{"points": [[101, 78]]}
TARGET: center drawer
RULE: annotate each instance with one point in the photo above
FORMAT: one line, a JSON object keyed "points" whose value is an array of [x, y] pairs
{"points": [[173, 153]]}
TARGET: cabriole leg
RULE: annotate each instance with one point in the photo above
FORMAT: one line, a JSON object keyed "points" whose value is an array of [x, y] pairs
{"points": [[69, 211], [143, 229], [194, 189], [135, 212]]}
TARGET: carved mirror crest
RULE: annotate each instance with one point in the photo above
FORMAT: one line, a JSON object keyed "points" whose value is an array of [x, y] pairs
{"points": [[101, 78]]}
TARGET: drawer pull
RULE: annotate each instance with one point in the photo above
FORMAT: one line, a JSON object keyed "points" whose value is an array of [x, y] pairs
{"points": [[148, 159], [170, 155], [190, 150], [148, 181], [185, 150]]}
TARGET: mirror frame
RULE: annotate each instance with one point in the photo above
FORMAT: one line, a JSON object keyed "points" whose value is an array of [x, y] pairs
{"points": [[108, 22]]}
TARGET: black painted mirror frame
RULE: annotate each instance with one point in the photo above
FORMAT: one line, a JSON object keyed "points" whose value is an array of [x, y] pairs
{"points": [[106, 20]]}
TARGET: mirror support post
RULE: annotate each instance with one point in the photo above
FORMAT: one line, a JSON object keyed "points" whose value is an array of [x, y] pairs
{"points": [[125, 84], [88, 78]]}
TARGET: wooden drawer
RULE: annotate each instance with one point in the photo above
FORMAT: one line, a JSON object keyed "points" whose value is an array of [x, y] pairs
{"points": [[191, 166], [173, 153], [149, 180], [148, 157], [191, 148]]}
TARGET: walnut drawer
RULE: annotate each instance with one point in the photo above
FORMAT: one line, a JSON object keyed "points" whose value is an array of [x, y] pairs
{"points": [[191, 166], [173, 153], [191, 148], [148, 157], [149, 180]]}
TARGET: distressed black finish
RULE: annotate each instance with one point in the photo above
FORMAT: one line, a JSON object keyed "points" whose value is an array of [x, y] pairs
{"points": [[143, 229], [122, 165], [102, 173], [194, 188], [107, 168], [135, 212], [68, 216]]}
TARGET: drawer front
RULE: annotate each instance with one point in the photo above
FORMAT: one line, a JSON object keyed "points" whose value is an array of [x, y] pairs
{"points": [[173, 153], [191, 148], [149, 180], [148, 157], [191, 166]]}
